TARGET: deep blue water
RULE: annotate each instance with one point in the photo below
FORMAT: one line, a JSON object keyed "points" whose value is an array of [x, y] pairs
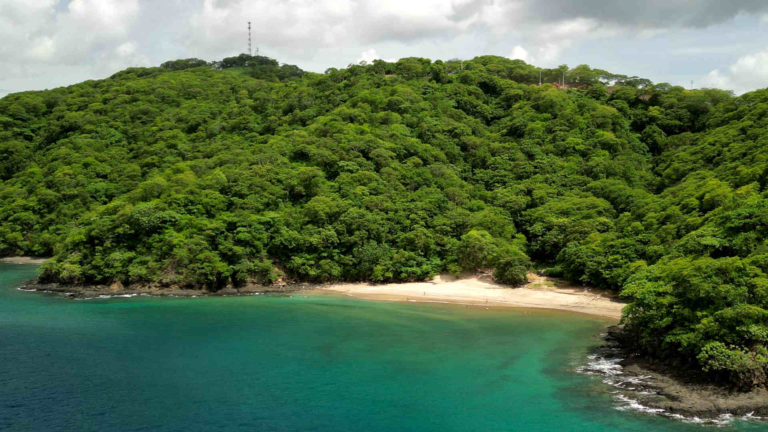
{"points": [[299, 363]]}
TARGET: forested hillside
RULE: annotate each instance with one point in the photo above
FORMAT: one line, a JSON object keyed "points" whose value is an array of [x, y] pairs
{"points": [[247, 171]]}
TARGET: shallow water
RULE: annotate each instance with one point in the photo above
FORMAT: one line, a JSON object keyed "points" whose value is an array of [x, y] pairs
{"points": [[299, 363]]}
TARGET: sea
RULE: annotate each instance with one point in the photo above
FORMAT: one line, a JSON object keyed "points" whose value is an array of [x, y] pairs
{"points": [[303, 362]]}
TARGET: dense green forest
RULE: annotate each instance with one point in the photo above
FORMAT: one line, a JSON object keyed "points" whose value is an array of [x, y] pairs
{"points": [[247, 171]]}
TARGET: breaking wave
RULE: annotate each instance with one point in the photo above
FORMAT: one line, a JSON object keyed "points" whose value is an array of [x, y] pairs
{"points": [[607, 365]]}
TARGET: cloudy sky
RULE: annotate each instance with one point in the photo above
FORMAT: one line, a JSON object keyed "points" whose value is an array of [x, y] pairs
{"points": [[711, 43]]}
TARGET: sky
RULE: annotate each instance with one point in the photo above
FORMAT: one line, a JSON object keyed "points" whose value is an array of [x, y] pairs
{"points": [[699, 43]]}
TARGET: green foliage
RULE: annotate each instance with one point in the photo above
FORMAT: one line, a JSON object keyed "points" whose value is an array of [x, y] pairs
{"points": [[181, 64], [511, 266], [712, 311], [248, 171]]}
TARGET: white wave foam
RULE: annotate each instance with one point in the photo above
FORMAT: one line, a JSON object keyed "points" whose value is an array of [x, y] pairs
{"points": [[752, 417], [613, 374], [109, 296], [634, 405], [626, 403], [599, 365]]}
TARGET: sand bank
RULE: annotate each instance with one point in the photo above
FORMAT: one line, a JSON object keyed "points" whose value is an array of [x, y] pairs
{"points": [[540, 292]]}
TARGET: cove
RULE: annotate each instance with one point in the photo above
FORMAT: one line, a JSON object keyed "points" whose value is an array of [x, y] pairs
{"points": [[298, 363]]}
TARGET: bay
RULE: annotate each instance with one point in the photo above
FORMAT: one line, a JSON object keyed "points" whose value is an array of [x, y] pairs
{"points": [[297, 363]]}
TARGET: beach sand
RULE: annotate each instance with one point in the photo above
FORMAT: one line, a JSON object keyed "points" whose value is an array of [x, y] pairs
{"points": [[540, 292], [23, 260]]}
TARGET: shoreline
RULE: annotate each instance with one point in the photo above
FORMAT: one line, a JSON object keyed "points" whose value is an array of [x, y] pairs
{"points": [[540, 292], [85, 292], [23, 260], [648, 386]]}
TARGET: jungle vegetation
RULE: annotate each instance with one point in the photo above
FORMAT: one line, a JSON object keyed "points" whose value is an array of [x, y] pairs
{"points": [[241, 171]]}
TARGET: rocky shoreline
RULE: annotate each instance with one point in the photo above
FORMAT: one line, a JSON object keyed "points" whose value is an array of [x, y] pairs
{"points": [[118, 290], [652, 387]]}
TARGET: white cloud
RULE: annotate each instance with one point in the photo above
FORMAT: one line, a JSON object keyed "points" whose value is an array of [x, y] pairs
{"points": [[301, 27], [21, 24], [747, 73], [127, 49], [92, 27], [125, 55], [520, 53], [38, 32], [42, 48], [370, 55], [102, 17], [55, 40], [651, 32], [646, 14], [547, 42]]}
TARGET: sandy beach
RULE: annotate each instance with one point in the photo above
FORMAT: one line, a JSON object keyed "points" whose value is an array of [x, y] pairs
{"points": [[540, 292], [23, 260]]}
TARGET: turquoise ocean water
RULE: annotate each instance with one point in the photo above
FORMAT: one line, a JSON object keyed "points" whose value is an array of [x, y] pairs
{"points": [[299, 363]]}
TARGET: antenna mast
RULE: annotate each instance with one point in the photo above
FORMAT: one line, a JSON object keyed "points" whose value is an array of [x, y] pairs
{"points": [[249, 39]]}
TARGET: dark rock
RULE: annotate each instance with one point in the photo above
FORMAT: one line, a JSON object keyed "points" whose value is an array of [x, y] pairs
{"points": [[672, 388]]}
